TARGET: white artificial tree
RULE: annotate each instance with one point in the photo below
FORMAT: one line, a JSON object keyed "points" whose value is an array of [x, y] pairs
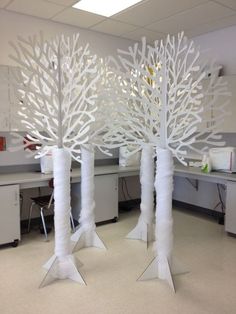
{"points": [[57, 108], [184, 109], [105, 115], [178, 106], [139, 124]]}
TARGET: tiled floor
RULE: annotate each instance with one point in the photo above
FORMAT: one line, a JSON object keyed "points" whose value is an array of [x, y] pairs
{"points": [[200, 244]]}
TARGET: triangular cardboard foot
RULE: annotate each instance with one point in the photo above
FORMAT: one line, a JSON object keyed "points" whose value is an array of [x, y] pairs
{"points": [[49, 263], [167, 271], [151, 272], [62, 268], [143, 232], [177, 268], [86, 238]]}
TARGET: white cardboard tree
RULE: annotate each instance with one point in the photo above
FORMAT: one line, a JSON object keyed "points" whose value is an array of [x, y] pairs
{"points": [[139, 124], [183, 107], [57, 108], [179, 105], [105, 115]]}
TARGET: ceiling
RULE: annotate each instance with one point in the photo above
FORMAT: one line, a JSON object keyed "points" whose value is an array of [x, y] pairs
{"points": [[151, 18]]}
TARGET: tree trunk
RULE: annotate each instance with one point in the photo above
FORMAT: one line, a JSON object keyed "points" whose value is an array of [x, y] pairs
{"points": [[61, 173], [87, 217], [144, 228], [86, 235], [164, 220]]}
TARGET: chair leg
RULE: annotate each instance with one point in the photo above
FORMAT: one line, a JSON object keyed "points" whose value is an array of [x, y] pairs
{"points": [[21, 204], [72, 222], [44, 225], [30, 215]]}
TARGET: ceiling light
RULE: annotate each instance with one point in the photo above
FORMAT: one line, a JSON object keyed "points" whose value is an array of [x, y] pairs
{"points": [[104, 7]]}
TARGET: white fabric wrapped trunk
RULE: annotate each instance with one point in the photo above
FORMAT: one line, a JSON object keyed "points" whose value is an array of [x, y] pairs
{"points": [[62, 264], [144, 228], [61, 172], [87, 217], [85, 235], [164, 220], [147, 184]]}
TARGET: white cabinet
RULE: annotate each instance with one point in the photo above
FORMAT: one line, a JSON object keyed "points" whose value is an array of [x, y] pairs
{"points": [[105, 195], [229, 124], [9, 214], [9, 104], [4, 99], [230, 214], [15, 119], [4, 120]]}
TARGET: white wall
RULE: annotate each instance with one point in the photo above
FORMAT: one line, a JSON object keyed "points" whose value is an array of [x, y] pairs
{"points": [[13, 25], [20, 157], [221, 46]]}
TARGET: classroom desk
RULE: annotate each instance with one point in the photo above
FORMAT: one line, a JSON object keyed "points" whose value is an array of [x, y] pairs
{"points": [[227, 179], [197, 174], [27, 180], [106, 183]]}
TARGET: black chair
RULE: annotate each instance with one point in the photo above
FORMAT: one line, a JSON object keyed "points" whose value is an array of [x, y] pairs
{"points": [[45, 202]]}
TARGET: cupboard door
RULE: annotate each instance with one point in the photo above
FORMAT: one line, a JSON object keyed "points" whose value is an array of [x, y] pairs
{"points": [[230, 212], [9, 214], [15, 118], [106, 197], [229, 124], [4, 99], [206, 115], [4, 120]]}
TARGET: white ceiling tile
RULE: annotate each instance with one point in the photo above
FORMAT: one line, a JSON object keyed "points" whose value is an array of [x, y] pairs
{"points": [[3, 3], [150, 18], [113, 27], [65, 3], [78, 18], [191, 18], [142, 32], [210, 27], [39, 8], [152, 10], [229, 3]]}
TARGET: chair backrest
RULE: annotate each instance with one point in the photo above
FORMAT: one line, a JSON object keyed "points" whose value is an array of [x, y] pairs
{"points": [[50, 184]]}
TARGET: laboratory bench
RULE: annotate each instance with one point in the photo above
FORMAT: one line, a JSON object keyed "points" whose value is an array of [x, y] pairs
{"points": [[106, 192]]}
